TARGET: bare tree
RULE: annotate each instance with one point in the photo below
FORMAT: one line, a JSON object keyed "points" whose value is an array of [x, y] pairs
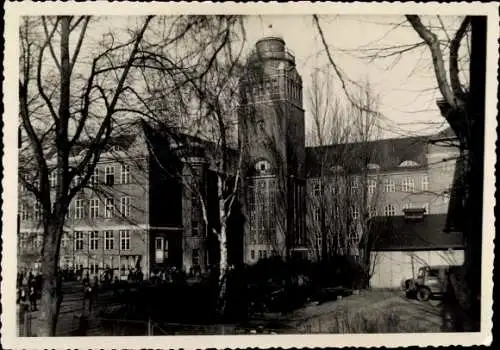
{"points": [[55, 135], [462, 106], [345, 192], [208, 94], [73, 102]]}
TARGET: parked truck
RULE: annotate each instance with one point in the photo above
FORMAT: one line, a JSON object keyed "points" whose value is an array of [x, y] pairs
{"points": [[431, 282]]}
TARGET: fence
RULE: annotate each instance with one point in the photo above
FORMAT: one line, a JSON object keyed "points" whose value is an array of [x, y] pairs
{"points": [[84, 325]]}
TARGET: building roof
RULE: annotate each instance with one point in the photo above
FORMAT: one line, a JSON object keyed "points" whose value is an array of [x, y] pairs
{"points": [[123, 141], [185, 145], [386, 153], [399, 233]]}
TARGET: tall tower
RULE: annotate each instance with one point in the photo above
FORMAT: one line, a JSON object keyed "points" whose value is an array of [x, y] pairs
{"points": [[272, 142]]}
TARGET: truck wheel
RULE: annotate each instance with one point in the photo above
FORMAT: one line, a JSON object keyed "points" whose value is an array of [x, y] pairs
{"points": [[423, 294], [410, 294]]}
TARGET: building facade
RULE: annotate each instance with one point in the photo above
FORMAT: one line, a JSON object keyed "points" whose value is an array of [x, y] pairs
{"points": [[408, 242], [351, 183], [272, 142], [144, 205]]}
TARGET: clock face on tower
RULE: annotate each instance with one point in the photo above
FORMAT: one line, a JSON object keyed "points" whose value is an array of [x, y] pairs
{"points": [[262, 166]]}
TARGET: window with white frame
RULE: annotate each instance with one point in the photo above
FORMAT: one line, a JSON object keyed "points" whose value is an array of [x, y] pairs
{"points": [[373, 211], [355, 213], [37, 211], [79, 208], [109, 175], [78, 240], [408, 184], [94, 178], [94, 240], [64, 240], [389, 185], [109, 240], [94, 208], [53, 178], [125, 174], [109, 209], [389, 210], [93, 266], [124, 239], [23, 212], [38, 240], [159, 243], [372, 186], [125, 206], [425, 182]]}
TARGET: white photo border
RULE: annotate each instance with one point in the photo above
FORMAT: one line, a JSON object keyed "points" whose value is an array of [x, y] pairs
{"points": [[13, 12]]}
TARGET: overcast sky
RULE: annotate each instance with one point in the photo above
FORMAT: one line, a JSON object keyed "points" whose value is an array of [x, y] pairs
{"points": [[407, 89]]}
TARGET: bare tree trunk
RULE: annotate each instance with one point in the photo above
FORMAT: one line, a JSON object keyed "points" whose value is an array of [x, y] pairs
{"points": [[223, 263], [51, 289], [464, 296]]}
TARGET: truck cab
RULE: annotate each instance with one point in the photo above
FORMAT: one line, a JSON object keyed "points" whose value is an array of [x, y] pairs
{"points": [[431, 281]]}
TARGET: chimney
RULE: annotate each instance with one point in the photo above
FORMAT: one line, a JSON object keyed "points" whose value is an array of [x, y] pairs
{"points": [[414, 214]]}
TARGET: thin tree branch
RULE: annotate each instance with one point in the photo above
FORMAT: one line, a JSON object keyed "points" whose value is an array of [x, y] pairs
{"points": [[437, 58], [454, 48], [41, 91], [80, 40], [47, 35]]}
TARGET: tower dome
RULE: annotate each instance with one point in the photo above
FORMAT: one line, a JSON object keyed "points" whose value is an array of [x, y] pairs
{"points": [[271, 48], [270, 44]]}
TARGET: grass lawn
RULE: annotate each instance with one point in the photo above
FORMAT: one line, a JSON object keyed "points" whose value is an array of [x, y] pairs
{"points": [[369, 312]]}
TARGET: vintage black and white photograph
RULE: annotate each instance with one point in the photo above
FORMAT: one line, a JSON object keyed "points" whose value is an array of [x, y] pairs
{"points": [[248, 173]]}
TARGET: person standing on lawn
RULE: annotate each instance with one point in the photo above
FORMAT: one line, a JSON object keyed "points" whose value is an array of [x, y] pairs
{"points": [[33, 297], [87, 297]]}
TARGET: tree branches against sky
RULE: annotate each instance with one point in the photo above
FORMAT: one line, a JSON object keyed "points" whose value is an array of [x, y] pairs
{"points": [[382, 49]]}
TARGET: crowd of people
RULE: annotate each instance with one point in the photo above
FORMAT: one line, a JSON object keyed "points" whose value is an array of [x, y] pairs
{"points": [[166, 275]]}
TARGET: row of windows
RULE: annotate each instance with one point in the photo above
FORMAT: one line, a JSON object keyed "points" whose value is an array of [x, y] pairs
{"points": [[262, 253], [123, 263], [293, 90], [83, 208], [389, 210], [262, 194], [94, 238], [388, 185], [109, 177]]}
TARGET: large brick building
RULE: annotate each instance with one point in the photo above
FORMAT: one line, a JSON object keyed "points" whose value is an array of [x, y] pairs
{"points": [[141, 211]]}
